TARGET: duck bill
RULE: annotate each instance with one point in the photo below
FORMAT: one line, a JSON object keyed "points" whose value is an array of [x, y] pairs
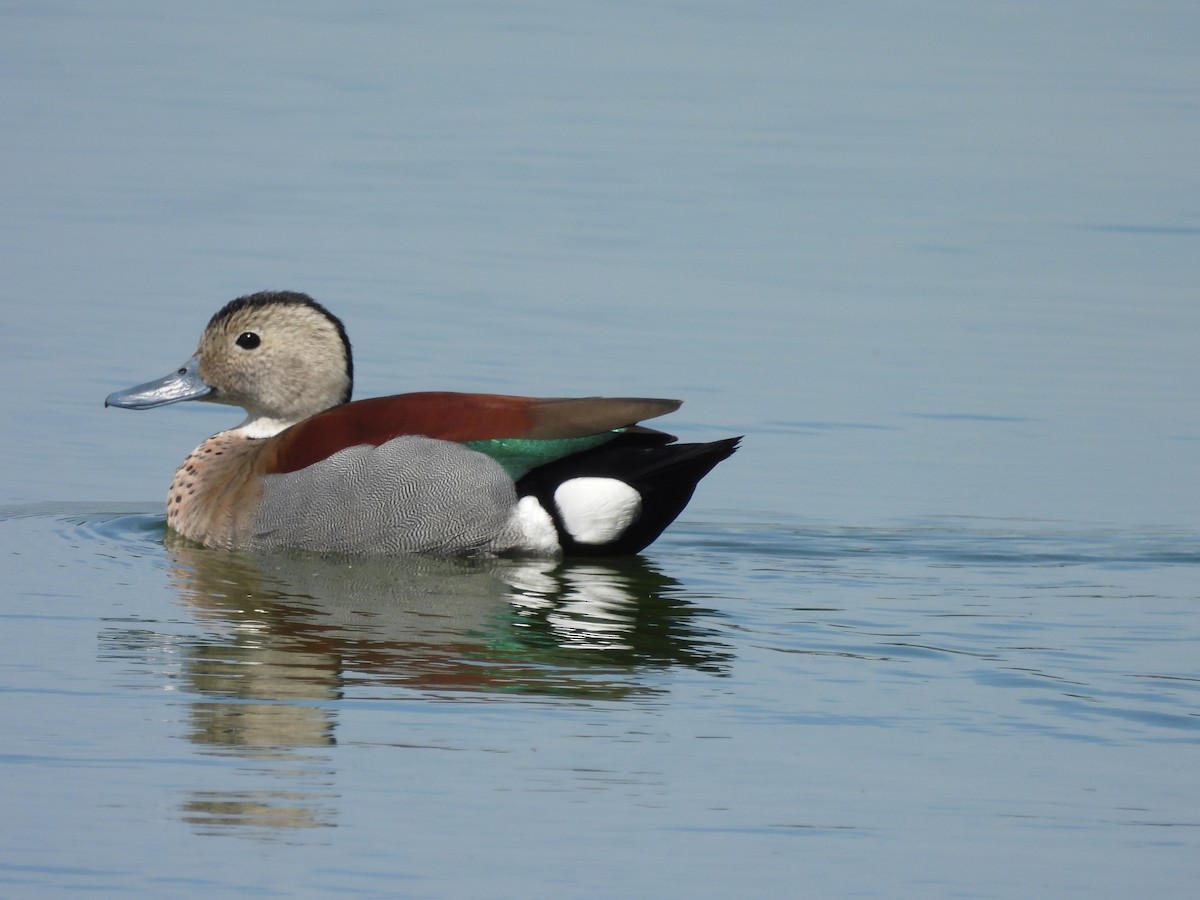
{"points": [[183, 384]]}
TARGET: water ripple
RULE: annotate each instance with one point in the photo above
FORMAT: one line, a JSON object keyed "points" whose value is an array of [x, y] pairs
{"points": [[953, 541]]}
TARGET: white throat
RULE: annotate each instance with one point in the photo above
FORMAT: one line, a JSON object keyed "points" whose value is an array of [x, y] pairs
{"points": [[258, 427]]}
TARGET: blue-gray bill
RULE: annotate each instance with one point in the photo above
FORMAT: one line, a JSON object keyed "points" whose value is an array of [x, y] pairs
{"points": [[183, 384]]}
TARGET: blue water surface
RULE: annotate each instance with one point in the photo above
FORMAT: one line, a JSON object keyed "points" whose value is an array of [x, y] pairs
{"points": [[933, 631]]}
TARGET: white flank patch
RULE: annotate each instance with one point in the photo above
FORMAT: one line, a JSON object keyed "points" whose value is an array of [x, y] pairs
{"points": [[597, 510], [535, 523]]}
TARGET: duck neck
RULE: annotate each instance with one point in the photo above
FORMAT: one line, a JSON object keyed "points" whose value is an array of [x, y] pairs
{"points": [[257, 426]]}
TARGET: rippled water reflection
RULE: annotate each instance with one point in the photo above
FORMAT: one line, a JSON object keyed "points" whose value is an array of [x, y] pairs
{"points": [[890, 648], [281, 643]]}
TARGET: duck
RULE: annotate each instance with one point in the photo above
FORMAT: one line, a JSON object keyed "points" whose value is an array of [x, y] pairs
{"points": [[436, 472]]}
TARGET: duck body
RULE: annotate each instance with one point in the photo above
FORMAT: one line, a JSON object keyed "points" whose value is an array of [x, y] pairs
{"points": [[436, 472]]}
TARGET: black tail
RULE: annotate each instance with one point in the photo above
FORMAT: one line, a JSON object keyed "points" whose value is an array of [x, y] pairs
{"points": [[663, 473]]}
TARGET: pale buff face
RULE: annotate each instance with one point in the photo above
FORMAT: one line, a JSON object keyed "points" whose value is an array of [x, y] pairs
{"points": [[280, 361]]}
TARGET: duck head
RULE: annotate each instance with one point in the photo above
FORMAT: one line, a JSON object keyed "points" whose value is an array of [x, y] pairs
{"points": [[279, 355]]}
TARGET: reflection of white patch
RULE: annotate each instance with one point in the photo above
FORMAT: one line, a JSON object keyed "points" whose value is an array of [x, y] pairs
{"points": [[597, 510], [536, 525]]}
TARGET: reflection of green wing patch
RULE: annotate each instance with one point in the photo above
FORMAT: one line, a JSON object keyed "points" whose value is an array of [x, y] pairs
{"points": [[521, 455]]}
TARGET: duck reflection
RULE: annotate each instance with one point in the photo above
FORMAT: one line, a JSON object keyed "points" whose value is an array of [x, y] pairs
{"points": [[290, 635], [304, 627]]}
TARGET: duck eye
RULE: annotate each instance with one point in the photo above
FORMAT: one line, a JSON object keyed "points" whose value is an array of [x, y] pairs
{"points": [[248, 340]]}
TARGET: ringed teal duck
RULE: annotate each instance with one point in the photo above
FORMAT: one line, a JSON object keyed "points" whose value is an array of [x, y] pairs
{"points": [[435, 472]]}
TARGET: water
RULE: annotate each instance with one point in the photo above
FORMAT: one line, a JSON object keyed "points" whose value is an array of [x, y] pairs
{"points": [[931, 632]]}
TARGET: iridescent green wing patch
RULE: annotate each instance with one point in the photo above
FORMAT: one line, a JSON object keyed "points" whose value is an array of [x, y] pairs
{"points": [[520, 455]]}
